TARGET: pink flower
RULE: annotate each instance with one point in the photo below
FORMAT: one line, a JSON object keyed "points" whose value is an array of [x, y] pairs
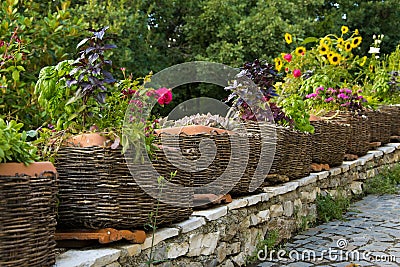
{"points": [[329, 99], [287, 57], [311, 95], [330, 89], [319, 89], [348, 91], [359, 91], [343, 96], [296, 73], [165, 96], [360, 97], [1, 43]]}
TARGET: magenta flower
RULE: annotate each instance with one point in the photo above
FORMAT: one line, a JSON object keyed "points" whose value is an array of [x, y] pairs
{"points": [[329, 99], [360, 97], [288, 57], [165, 96], [359, 91], [311, 95], [343, 96], [330, 89], [296, 73], [1, 43], [345, 104], [319, 89], [348, 91]]}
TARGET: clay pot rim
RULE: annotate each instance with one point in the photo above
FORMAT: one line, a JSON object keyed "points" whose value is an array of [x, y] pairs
{"points": [[33, 169]]}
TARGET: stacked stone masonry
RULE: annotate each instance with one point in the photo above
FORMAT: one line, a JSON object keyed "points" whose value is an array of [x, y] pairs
{"points": [[228, 234]]}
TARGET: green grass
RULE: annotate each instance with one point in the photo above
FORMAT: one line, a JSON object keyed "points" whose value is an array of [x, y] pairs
{"points": [[330, 208], [384, 183]]}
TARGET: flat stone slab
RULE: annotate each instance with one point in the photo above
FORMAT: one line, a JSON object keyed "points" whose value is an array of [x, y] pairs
{"points": [[88, 258], [212, 214]]}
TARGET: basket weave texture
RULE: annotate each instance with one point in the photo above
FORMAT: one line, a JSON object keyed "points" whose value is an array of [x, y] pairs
{"points": [[329, 142], [293, 153], [97, 190], [358, 141], [380, 126], [28, 220], [394, 114]]}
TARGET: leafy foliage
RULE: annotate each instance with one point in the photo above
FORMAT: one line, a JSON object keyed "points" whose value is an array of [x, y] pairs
{"points": [[386, 182], [329, 207], [90, 75], [13, 144]]}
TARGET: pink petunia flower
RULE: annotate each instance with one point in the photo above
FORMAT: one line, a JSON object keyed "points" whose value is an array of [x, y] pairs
{"points": [[287, 57], [311, 95], [348, 91], [165, 96], [296, 73], [329, 99]]}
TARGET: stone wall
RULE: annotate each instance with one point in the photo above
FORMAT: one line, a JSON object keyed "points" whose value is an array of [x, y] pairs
{"points": [[226, 235]]}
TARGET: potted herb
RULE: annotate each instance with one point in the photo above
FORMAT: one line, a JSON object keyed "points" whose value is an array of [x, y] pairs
{"points": [[292, 152], [96, 186], [28, 200]]}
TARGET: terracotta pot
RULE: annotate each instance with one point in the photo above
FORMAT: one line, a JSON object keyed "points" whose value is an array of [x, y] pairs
{"points": [[33, 169], [87, 140]]}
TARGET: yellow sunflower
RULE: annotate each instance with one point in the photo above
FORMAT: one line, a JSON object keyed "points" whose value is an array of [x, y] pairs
{"points": [[326, 41], [288, 38], [356, 41], [323, 49], [363, 60], [347, 46], [301, 50], [278, 64], [371, 68], [334, 58], [345, 29]]}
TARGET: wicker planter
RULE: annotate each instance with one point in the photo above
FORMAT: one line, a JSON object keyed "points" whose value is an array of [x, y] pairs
{"points": [[394, 114], [97, 190], [358, 141], [380, 126], [329, 142], [28, 217], [216, 176], [293, 154]]}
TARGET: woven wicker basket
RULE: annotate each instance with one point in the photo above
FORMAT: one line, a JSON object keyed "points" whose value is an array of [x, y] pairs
{"points": [[380, 126], [358, 141], [97, 190], [293, 154], [218, 176], [329, 142], [394, 113], [28, 220], [262, 140]]}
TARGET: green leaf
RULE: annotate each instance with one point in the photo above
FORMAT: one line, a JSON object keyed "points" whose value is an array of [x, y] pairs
{"points": [[15, 75], [310, 40]]}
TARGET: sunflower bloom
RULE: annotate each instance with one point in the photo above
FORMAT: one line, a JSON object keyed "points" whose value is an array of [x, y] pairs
{"points": [[363, 60], [288, 38], [323, 49], [347, 46], [326, 41], [334, 58], [300, 51], [345, 29], [278, 64], [356, 41], [371, 68]]}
